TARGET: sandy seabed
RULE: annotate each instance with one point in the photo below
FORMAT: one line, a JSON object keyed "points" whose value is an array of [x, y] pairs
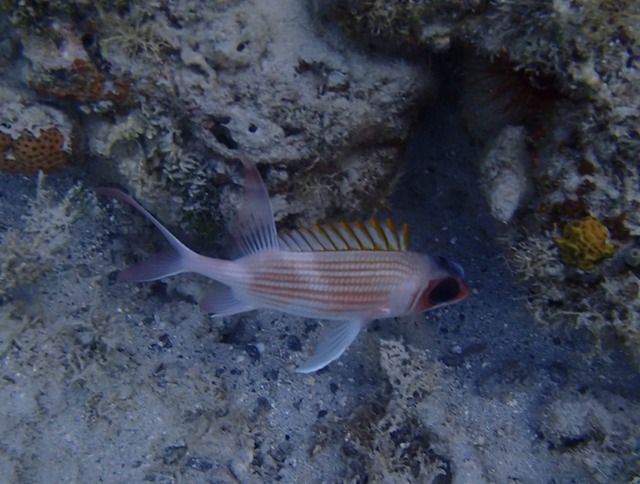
{"points": [[110, 382]]}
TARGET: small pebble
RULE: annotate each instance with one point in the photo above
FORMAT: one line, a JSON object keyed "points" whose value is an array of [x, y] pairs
{"points": [[253, 352], [199, 463], [293, 343], [632, 257], [262, 407], [272, 374], [239, 465], [173, 454], [84, 271], [165, 341]]}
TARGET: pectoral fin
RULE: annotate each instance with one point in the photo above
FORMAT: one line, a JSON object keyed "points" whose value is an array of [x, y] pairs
{"points": [[336, 339]]}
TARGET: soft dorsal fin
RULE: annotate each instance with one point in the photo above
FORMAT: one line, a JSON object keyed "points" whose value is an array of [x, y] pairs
{"points": [[254, 229], [369, 235]]}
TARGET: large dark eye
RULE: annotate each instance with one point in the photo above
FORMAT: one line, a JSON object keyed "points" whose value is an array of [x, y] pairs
{"points": [[450, 266], [446, 290]]}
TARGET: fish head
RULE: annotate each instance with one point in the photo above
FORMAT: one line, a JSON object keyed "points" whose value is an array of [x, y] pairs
{"points": [[443, 284]]}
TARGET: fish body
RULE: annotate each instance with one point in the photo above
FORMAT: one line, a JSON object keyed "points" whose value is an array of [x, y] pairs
{"points": [[347, 274], [337, 285]]}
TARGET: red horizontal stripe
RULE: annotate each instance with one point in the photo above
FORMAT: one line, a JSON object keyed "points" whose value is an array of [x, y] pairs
{"points": [[335, 264], [326, 280], [304, 293], [312, 307]]}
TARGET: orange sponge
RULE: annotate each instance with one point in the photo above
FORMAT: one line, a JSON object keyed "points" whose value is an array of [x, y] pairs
{"points": [[29, 153]]}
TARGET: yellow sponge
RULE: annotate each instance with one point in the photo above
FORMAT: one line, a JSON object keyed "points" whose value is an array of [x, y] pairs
{"points": [[584, 242]]}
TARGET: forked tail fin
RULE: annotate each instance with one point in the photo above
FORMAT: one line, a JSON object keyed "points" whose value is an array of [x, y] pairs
{"points": [[173, 260]]}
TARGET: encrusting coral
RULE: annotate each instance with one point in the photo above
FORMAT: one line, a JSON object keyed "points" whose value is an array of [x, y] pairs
{"points": [[34, 136], [29, 153], [584, 243]]}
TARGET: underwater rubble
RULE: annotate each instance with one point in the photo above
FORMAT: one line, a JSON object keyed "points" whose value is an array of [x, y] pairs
{"points": [[523, 168]]}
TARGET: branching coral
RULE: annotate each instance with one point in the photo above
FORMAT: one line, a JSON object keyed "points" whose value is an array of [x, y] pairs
{"points": [[135, 34]]}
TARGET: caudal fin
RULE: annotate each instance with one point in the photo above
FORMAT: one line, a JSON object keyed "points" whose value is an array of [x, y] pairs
{"points": [[163, 264], [174, 260]]}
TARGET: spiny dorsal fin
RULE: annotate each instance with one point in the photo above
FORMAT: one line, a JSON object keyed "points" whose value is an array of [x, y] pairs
{"points": [[369, 235]]}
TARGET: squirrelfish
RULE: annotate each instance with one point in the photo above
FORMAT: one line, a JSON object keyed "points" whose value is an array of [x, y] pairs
{"points": [[345, 273]]}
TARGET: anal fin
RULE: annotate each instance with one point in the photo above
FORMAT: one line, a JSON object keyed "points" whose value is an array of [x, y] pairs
{"points": [[219, 300], [336, 339]]}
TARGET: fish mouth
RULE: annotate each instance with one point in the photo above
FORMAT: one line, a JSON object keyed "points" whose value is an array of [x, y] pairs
{"points": [[446, 291]]}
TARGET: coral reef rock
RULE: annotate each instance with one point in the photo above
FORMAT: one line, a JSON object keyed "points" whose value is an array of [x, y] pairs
{"points": [[265, 80], [32, 136], [172, 95], [566, 73], [503, 172]]}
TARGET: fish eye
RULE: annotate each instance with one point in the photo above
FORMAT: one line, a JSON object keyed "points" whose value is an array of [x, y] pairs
{"points": [[446, 290], [450, 266]]}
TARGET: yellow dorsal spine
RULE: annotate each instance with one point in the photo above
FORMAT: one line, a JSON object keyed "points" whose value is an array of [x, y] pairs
{"points": [[368, 235]]}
